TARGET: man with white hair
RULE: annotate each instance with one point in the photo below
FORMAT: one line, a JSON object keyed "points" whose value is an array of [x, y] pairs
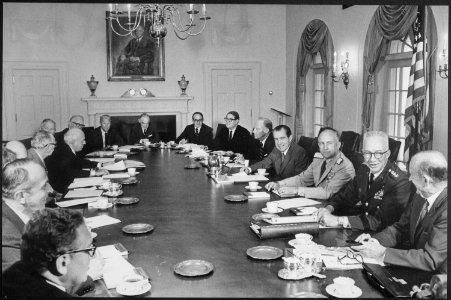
{"points": [[77, 121], [381, 187], [424, 224], [18, 148], [263, 135], [143, 131], [24, 190], [104, 135], [64, 165], [42, 146], [48, 125]]}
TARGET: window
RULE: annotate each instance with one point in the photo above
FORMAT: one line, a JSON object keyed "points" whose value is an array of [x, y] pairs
{"points": [[318, 95]]}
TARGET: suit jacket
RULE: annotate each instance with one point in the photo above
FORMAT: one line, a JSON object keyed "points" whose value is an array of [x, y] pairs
{"points": [[63, 166], [382, 205], [12, 227], [205, 136], [20, 281], [295, 162], [112, 138], [242, 142], [88, 131], [427, 239], [33, 155], [338, 172], [269, 145], [136, 134]]}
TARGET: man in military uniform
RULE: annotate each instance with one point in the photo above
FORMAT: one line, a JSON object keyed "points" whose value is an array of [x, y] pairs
{"points": [[381, 187], [328, 172]]}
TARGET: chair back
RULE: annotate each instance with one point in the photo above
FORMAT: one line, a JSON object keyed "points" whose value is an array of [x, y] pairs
{"points": [[356, 159], [350, 141], [310, 145], [394, 147], [218, 129]]}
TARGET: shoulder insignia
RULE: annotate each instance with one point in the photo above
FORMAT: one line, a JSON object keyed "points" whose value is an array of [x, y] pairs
{"points": [[318, 155], [393, 173], [339, 161]]}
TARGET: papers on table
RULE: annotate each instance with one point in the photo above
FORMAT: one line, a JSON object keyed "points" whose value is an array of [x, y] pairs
{"points": [[332, 262], [102, 159], [243, 177], [111, 250], [128, 148], [284, 196], [115, 269], [120, 156], [134, 164], [296, 202], [119, 166], [116, 175], [197, 152], [83, 193], [100, 221], [295, 219], [221, 179], [85, 181], [257, 195], [74, 202], [101, 154]]}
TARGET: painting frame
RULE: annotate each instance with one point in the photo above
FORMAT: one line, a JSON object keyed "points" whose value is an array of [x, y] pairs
{"points": [[121, 64]]}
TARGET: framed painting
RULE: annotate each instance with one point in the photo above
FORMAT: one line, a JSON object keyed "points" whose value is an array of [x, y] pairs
{"points": [[133, 57]]}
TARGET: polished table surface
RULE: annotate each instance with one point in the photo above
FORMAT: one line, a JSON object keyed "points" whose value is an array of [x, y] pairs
{"points": [[192, 221]]}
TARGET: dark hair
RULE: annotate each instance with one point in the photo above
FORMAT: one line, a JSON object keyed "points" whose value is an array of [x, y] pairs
{"points": [[330, 129], [235, 114], [267, 123], [49, 233], [197, 113], [437, 173], [16, 176], [283, 127]]}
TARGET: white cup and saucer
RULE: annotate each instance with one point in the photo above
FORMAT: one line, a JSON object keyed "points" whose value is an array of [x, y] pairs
{"points": [[115, 147], [272, 207], [261, 172], [343, 287], [253, 186], [131, 171], [102, 203], [133, 285]]}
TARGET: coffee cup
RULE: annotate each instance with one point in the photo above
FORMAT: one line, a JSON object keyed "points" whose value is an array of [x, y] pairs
{"points": [[114, 188], [261, 171], [343, 284], [303, 238], [253, 185], [292, 264], [246, 163], [308, 262], [133, 283], [102, 202], [131, 171], [115, 147], [272, 207]]}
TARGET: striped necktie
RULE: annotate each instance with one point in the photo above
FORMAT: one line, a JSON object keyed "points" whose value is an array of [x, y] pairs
{"points": [[423, 212], [197, 132]]}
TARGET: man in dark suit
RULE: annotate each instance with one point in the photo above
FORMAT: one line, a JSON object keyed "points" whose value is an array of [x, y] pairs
{"points": [[381, 187], [135, 55], [424, 224], [263, 135], [64, 165], [24, 190], [42, 146], [77, 121], [235, 138], [104, 135], [287, 158], [143, 131], [197, 133]]}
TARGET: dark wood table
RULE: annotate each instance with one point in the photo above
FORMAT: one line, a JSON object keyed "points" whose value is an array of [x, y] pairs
{"points": [[192, 221]]}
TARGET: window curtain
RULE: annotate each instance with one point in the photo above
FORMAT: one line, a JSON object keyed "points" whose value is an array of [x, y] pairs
{"points": [[393, 22], [315, 38]]}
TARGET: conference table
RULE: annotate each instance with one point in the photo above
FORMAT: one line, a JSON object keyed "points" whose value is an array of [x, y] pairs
{"points": [[193, 221]]}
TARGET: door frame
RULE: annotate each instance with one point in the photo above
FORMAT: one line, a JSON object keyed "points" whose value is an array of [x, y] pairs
{"points": [[253, 66], [8, 107]]}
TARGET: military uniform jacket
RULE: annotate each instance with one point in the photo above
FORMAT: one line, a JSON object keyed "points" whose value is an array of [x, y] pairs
{"points": [[382, 205], [338, 171], [427, 239]]}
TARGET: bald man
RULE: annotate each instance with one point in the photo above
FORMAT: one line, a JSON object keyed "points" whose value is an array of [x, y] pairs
{"points": [[424, 224], [18, 148], [64, 165]]}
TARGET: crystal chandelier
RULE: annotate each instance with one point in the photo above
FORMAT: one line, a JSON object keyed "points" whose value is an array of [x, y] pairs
{"points": [[157, 17]]}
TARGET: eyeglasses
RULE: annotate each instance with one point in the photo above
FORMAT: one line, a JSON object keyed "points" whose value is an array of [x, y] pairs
{"points": [[198, 120], [78, 124], [351, 255], [377, 155], [91, 251], [229, 120], [52, 144]]}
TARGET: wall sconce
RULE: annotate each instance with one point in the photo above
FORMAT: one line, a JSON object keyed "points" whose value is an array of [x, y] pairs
{"points": [[443, 71], [344, 70]]}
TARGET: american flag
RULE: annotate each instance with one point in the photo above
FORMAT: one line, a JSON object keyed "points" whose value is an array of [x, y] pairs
{"points": [[416, 94]]}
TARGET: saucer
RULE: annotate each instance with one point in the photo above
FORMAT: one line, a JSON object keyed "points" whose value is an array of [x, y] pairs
{"points": [[295, 243], [287, 275], [113, 195], [253, 189], [107, 206], [121, 289], [266, 174], [265, 209], [352, 292]]}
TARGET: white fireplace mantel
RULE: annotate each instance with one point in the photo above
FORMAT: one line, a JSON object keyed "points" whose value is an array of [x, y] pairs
{"points": [[117, 106]]}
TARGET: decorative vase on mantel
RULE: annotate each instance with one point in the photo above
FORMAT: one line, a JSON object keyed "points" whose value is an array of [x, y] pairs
{"points": [[92, 84], [183, 85]]}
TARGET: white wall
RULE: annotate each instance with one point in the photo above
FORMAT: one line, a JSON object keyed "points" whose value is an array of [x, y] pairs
{"points": [[79, 39]]}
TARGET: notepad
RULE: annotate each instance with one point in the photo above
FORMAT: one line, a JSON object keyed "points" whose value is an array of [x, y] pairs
{"points": [[116, 267], [283, 196], [99, 221], [296, 202], [257, 195], [119, 166], [134, 164], [85, 181], [116, 175], [83, 193], [288, 220], [102, 159], [74, 202]]}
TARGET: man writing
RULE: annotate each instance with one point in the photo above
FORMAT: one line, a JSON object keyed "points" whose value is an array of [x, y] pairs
{"points": [[287, 158], [143, 131], [424, 224], [381, 187], [197, 133], [328, 172]]}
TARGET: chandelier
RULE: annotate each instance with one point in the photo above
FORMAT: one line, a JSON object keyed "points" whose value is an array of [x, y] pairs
{"points": [[156, 17]]}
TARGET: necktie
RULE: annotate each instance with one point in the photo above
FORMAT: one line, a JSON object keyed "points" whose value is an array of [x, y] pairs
{"points": [[423, 211], [145, 131], [230, 135], [105, 140], [323, 168], [283, 156], [197, 131], [260, 151], [370, 180]]}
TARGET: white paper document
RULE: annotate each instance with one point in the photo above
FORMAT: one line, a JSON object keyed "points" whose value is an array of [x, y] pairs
{"points": [[197, 152], [333, 263], [296, 202], [134, 164], [99, 221], [239, 177], [83, 194], [119, 166], [295, 219], [116, 267], [74, 202], [109, 251], [120, 156], [259, 195], [85, 181], [102, 159], [129, 147], [284, 196], [101, 154], [116, 175]]}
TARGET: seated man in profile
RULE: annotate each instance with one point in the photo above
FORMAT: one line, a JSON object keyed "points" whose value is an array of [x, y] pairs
{"points": [[381, 187], [55, 253], [287, 158], [104, 135], [424, 224], [264, 138], [64, 165], [143, 131], [77, 121], [24, 190], [18, 148], [197, 133], [328, 172], [235, 138], [42, 146]]}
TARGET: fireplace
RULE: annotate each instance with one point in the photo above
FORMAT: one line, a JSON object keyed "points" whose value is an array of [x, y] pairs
{"points": [[164, 125]]}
